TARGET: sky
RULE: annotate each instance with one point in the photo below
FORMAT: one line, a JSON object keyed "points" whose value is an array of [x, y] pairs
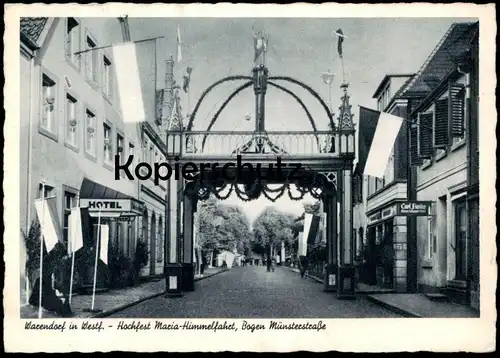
{"points": [[300, 48]]}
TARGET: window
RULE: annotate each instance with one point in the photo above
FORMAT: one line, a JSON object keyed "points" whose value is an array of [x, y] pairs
{"points": [[120, 150], [131, 152], [73, 41], [71, 120], [159, 241], [69, 203], [91, 60], [108, 146], [90, 134], [460, 241], [458, 112], [431, 236], [107, 78], [48, 191], [425, 134], [48, 104]]}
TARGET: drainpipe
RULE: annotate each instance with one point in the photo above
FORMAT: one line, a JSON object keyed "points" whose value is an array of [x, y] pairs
{"points": [[29, 172]]}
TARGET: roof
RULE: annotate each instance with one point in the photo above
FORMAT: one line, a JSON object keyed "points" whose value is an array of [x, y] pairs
{"points": [[443, 59], [386, 79], [31, 29]]}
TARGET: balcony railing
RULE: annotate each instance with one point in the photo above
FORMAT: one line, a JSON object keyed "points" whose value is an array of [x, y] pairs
{"points": [[223, 143]]}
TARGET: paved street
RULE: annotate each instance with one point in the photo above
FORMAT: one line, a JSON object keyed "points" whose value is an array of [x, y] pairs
{"points": [[251, 292]]}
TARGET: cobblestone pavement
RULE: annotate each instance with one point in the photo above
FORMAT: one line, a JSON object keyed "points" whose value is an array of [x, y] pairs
{"points": [[252, 292]]}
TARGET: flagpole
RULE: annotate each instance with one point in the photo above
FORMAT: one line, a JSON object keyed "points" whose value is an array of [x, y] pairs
{"points": [[41, 254], [71, 244], [343, 72], [72, 272], [96, 256]]}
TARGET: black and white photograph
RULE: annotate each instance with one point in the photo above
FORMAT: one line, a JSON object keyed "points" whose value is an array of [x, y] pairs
{"points": [[247, 173]]}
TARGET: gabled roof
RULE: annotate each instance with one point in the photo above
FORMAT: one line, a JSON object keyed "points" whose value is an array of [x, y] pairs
{"points": [[386, 79], [444, 58], [31, 29]]}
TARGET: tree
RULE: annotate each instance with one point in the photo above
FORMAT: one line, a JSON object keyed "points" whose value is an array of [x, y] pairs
{"points": [[222, 227], [270, 228]]}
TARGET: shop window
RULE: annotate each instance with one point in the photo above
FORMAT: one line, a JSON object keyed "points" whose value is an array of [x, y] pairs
{"points": [[159, 241], [460, 245], [431, 233]]}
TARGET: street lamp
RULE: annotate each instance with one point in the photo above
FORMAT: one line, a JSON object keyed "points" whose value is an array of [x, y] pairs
{"points": [[327, 78]]}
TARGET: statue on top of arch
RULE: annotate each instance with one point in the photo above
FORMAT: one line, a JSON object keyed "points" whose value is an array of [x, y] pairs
{"points": [[260, 40]]}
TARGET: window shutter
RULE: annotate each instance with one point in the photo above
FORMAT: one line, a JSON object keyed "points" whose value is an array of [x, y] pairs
{"points": [[425, 149], [414, 158], [457, 110], [441, 123]]}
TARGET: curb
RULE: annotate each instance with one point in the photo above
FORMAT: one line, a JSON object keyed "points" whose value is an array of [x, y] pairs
{"points": [[393, 308], [371, 292], [128, 305]]}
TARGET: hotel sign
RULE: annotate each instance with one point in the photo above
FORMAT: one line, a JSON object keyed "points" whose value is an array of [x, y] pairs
{"points": [[120, 206], [413, 208]]}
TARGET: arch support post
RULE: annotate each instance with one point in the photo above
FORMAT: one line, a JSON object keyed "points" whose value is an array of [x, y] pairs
{"points": [[173, 263], [330, 205], [346, 270], [188, 207]]}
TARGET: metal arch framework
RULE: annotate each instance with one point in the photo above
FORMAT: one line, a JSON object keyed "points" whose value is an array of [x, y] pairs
{"points": [[207, 91], [248, 84], [326, 175], [245, 86], [310, 90]]}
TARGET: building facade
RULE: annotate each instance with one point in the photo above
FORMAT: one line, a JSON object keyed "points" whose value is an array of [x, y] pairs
{"points": [[72, 122], [380, 232], [443, 145]]}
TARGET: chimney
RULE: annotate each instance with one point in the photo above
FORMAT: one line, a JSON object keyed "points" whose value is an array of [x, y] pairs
{"points": [[168, 96]]}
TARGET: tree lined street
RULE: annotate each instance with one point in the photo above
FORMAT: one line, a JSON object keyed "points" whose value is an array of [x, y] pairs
{"points": [[251, 292]]}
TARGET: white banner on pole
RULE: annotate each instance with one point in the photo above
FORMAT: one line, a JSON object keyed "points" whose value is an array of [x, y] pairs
{"points": [[103, 254], [48, 223], [75, 235], [302, 250]]}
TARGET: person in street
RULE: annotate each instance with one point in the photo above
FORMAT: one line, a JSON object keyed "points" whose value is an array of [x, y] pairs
{"points": [[273, 265], [303, 266]]}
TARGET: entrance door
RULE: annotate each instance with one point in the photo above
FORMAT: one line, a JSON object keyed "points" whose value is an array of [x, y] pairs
{"points": [[152, 235]]}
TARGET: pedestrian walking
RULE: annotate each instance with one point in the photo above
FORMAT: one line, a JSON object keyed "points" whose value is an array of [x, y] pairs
{"points": [[273, 265], [303, 266]]}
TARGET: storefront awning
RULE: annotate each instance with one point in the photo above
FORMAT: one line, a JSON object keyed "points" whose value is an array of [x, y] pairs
{"points": [[109, 202]]}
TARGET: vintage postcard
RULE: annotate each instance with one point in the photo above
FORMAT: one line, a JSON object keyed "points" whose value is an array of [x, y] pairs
{"points": [[236, 177]]}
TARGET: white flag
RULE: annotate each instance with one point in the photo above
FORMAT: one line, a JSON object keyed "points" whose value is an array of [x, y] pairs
{"points": [[129, 83], [103, 255], [179, 44], [302, 250], [49, 225], [386, 132], [75, 236]]}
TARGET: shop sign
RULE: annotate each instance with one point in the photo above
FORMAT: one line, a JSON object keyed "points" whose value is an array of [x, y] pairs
{"points": [[413, 208], [110, 205]]}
